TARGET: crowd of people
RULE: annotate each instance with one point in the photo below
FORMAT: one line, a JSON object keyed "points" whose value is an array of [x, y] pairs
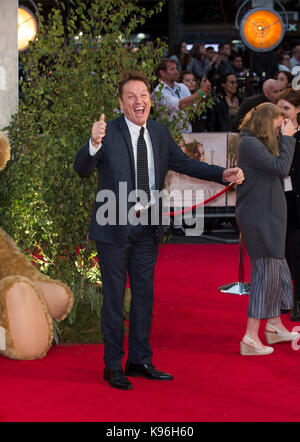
{"points": [[225, 79]]}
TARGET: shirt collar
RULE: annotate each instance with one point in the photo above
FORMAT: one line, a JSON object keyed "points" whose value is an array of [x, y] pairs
{"points": [[134, 127], [170, 87]]}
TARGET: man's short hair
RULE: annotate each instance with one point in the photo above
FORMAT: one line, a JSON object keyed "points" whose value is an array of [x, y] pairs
{"points": [[132, 76], [163, 65], [221, 45]]}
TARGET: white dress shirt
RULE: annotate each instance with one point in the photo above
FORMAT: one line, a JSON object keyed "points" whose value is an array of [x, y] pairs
{"points": [[170, 97], [134, 131]]}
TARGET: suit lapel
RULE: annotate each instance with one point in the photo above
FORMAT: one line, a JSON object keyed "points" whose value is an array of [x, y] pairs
{"points": [[155, 147], [127, 138]]}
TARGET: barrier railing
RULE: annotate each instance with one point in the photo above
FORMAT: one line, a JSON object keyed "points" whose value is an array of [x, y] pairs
{"points": [[208, 200]]}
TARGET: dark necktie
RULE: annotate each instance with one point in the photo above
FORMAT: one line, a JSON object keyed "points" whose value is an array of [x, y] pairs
{"points": [[142, 168]]}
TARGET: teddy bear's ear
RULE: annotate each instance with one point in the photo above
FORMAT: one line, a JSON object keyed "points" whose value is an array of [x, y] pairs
{"points": [[4, 150]]}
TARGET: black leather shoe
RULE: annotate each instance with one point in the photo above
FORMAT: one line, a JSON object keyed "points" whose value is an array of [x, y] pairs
{"points": [[146, 370], [117, 379]]}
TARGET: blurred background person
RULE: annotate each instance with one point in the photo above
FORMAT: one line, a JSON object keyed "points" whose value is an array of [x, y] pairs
{"points": [[188, 78], [223, 64], [226, 104], [284, 62], [182, 57], [262, 216], [238, 66], [289, 103], [211, 54], [176, 96], [220, 66], [201, 63], [295, 60], [270, 93], [285, 79]]}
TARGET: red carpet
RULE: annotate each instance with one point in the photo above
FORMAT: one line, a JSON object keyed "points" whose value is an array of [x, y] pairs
{"points": [[195, 336]]}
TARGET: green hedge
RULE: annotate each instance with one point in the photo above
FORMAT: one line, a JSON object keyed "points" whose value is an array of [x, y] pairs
{"points": [[67, 83]]}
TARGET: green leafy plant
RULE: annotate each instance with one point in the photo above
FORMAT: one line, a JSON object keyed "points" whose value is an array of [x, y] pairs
{"points": [[69, 78], [70, 74]]}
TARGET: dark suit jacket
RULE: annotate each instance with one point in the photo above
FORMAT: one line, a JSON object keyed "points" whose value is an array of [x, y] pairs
{"points": [[115, 163]]}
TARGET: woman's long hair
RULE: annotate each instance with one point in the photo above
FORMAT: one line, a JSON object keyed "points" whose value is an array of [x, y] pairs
{"points": [[195, 50], [259, 121], [223, 80], [183, 59]]}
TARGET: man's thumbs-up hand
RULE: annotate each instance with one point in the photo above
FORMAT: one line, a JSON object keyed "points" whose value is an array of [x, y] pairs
{"points": [[98, 131]]}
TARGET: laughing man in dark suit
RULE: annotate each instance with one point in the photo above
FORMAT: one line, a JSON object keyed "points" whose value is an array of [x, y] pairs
{"points": [[139, 158]]}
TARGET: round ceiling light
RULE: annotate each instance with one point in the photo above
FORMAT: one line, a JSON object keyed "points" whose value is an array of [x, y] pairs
{"points": [[262, 29]]}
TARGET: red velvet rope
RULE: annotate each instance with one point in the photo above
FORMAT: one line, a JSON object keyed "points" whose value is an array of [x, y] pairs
{"points": [[188, 209]]}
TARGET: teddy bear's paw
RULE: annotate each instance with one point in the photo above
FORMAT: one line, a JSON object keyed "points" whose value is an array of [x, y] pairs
{"points": [[4, 150], [58, 297], [25, 318]]}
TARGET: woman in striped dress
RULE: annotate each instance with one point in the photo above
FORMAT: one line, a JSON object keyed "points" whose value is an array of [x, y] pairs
{"points": [[265, 154]]}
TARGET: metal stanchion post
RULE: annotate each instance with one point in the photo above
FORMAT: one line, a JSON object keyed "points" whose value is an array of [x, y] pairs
{"points": [[241, 287]]}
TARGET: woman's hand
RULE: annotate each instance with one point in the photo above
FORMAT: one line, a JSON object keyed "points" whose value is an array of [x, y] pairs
{"points": [[288, 128]]}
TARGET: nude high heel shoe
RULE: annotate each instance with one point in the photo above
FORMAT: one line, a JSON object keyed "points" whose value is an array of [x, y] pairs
{"points": [[248, 347], [272, 337]]}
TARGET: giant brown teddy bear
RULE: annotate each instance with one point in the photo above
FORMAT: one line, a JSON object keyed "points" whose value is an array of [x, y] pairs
{"points": [[28, 300]]}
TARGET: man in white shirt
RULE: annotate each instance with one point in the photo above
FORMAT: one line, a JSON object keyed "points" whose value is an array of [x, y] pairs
{"points": [[176, 96]]}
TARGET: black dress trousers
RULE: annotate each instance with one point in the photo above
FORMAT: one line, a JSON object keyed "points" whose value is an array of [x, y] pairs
{"points": [[138, 256]]}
